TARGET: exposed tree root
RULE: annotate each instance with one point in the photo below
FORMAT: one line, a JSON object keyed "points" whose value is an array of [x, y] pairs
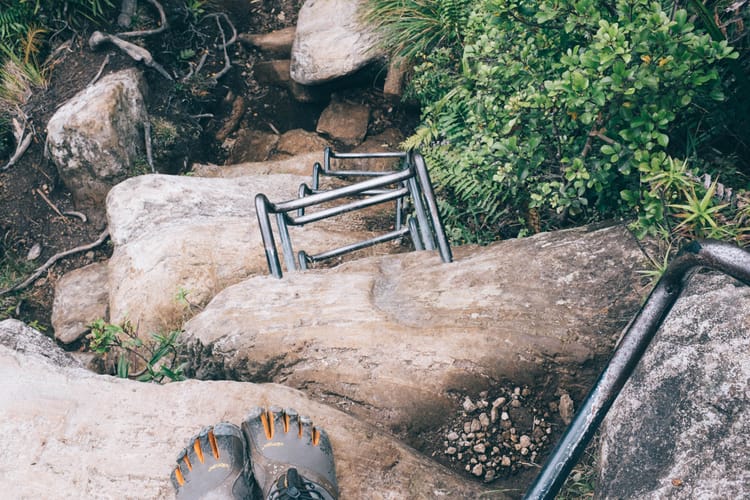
{"points": [[136, 52]]}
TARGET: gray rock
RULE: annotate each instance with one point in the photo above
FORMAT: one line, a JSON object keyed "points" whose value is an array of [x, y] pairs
{"points": [[16, 336], [344, 121], [681, 426], [96, 137], [469, 405], [566, 408], [73, 434], [81, 297], [366, 330], [330, 42]]}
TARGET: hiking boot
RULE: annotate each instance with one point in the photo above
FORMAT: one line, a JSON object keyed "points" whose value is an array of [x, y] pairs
{"points": [[289, 456], [214, 466]]}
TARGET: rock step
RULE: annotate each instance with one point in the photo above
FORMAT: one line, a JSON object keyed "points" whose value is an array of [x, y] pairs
{"points": [[72, 434], [391, 336]]}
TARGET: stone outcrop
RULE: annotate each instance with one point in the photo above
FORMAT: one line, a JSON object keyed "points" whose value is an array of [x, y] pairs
{"points": [[96, 137], [179, 234], [681, 426], [72, 434], [330, 42], [81, 297], [389, 337]]}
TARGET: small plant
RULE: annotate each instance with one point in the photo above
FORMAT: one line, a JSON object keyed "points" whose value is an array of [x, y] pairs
{"points": [[17, 81], [159, 355], [412, 27]]}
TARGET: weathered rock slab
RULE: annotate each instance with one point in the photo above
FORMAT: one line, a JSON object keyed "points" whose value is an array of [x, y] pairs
{"points": [[391, 336], [330, 42], [96, 137], [81, 297], [681, 426], [68, 433]]}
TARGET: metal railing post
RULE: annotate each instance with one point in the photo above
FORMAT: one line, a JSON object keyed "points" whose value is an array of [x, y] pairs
{"points": [[719, 256], [266, 233]]}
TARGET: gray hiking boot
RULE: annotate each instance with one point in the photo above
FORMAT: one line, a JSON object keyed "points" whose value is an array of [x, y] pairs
{"points": [[289, 455], [214, 466]]}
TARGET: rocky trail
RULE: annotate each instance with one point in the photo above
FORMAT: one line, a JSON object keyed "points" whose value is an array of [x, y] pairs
{"points": [[432, 379]]}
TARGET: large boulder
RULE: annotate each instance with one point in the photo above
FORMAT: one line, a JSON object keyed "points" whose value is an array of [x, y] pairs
{"points": [[681, 426], [195, 236], [69, 433], [330, 41], [390, 337], [96, 137]]}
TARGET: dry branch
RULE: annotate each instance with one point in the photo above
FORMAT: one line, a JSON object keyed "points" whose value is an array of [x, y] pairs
{"points": [[50, 262], [136, 52]]}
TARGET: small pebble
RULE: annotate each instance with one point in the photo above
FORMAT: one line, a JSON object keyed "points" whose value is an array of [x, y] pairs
{"points": [[505, 461], [451, 451], [504, 416], [475, 425], [498, 402], [484, 420], [452, 436], [479, 448], [524, 441], [469, 405], [35, 252], [478, 470]]}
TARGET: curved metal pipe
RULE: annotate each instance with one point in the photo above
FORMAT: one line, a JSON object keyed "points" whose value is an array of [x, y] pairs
{"points": [[724, 257]]}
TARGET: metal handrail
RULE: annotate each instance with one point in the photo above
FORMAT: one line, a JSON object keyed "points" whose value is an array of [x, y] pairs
{"points": [[716, 255], [412, 182]]}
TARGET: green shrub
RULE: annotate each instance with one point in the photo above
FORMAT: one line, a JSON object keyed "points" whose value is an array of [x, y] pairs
{"points": [[558, 109], [157, 356]]}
